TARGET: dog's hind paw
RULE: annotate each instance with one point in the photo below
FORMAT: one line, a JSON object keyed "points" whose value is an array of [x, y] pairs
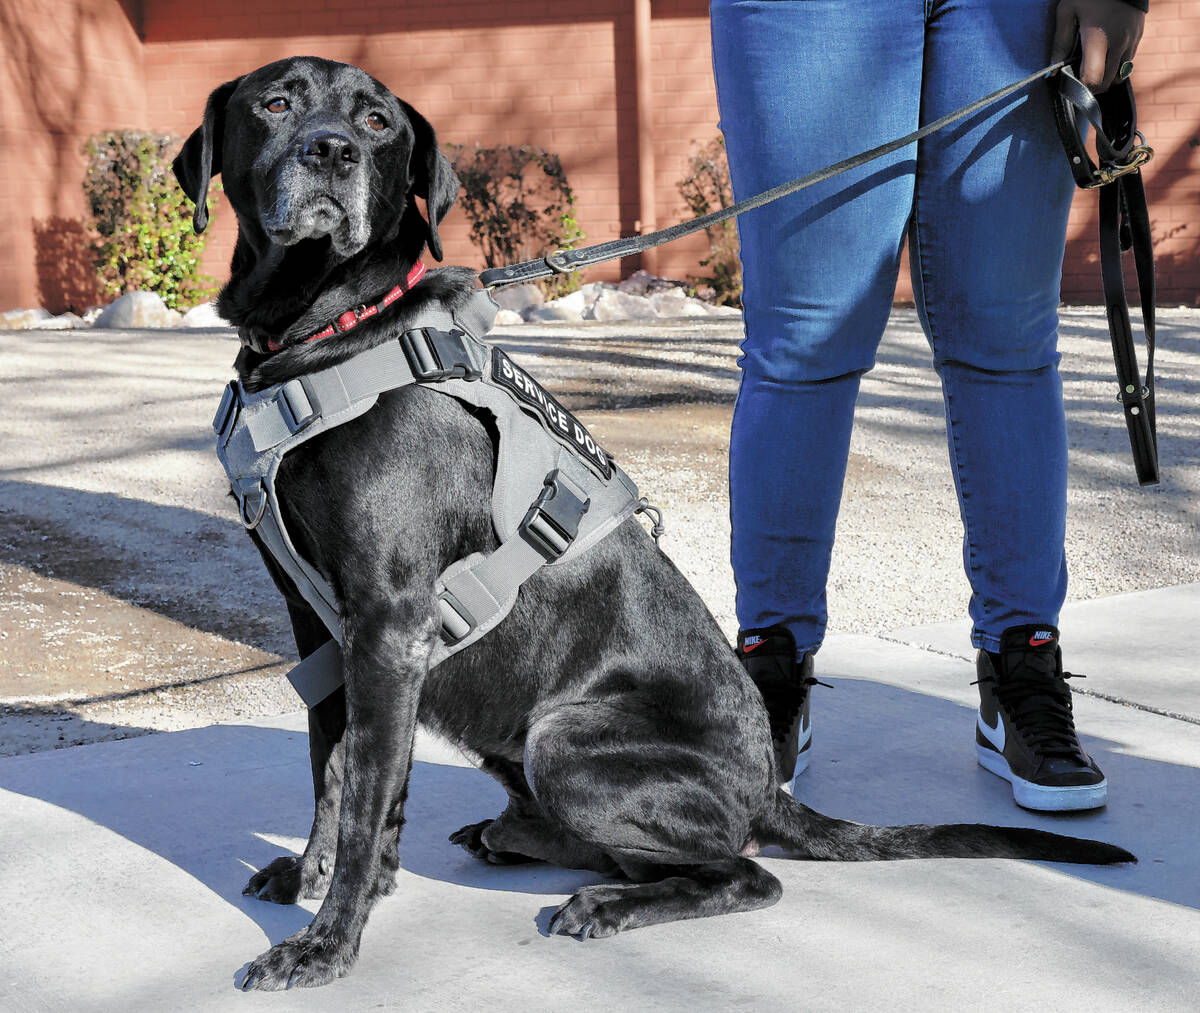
{"points": [[470, 839], [287, 879], [593, 913], [306, 959]]}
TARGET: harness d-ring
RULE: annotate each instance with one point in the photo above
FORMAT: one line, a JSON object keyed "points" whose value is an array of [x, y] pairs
{"points": [[248, 522]]}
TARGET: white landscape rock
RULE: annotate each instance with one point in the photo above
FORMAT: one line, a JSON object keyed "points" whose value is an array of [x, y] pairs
{"points": [[22, 320], [723, 311], [638, 283], [204, 315], [675, 302], [569, 307], [519, 298], [62, 322], [616, 305], [138, 309], [506, 318]]}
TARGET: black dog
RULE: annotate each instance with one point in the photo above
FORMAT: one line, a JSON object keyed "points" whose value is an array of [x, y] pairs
{"points": [[608, 703]]}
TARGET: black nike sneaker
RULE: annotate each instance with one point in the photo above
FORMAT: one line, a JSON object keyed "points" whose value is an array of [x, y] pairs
{"points": [[1025, 729], [769, 657]]}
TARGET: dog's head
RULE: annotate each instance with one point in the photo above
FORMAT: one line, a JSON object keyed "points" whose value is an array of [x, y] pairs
{"points": [[311, 149]]}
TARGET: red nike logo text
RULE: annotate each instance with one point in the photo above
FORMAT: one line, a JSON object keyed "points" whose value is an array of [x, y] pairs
{"points": [[1035, 642], [747, 648]]}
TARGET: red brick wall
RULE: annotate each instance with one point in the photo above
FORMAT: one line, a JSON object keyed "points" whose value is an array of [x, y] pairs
{"points": [[69, 68], [556, 74]]}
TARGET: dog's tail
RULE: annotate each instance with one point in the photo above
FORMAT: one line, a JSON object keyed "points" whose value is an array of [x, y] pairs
{"points": [[808, 834]]}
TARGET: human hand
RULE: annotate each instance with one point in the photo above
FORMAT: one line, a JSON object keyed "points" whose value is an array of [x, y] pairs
{"points": [[1109, 32]]}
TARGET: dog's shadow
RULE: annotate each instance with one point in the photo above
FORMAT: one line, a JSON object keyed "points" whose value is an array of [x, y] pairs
{"points": [[223, 801]]}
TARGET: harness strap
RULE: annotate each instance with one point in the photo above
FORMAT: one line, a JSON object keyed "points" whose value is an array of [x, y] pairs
{"points": [[429, 355], [476, 592], [256, 430]]}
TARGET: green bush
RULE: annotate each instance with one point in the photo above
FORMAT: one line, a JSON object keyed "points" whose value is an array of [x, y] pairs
{"points": [[142, 236], [519, 204], [707, 188]]}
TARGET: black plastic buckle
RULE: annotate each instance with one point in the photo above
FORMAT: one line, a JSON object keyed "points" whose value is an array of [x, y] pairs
{"points": [[226, 411], [552, 522], [435, 355], [295, 407]]}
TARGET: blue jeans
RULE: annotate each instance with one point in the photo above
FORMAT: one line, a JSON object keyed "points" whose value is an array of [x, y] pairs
{"points": [[800, 84]]}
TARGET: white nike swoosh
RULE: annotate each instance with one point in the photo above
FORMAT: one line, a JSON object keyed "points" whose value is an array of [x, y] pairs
{"points": [[994, 735]]}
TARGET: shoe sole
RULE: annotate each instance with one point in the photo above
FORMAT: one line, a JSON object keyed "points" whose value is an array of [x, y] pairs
{"points": [[1040, 797]]}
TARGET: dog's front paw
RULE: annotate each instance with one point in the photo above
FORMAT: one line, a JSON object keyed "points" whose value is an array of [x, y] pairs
{"points": [[287, 879], [470, 838], [307, 959], [593, 913]]}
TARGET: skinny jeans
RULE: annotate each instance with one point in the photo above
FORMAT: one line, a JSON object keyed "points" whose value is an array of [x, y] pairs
{"points": [[983, 203]]}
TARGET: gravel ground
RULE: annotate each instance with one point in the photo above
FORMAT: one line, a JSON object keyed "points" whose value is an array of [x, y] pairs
{"points": [[130, 601]]}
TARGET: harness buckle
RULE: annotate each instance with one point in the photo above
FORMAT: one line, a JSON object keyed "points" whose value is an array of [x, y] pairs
{"points": [[457, 621], [294, 406], [552, 522], [1139, 155], [226, 411], [435, 355]]}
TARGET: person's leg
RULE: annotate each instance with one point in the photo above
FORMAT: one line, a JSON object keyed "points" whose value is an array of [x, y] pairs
{"points": [[802, 84], [989, 228], [988, 234]]}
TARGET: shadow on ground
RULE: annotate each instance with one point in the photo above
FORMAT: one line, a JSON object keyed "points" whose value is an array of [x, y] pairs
{"points": [[215, 801]]}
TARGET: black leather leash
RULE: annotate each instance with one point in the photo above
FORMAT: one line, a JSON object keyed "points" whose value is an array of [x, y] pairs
{"points": [[1124, 225], [567, 261]]}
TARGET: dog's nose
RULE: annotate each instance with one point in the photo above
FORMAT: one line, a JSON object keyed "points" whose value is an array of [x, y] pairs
{"points": [[330, 152]]}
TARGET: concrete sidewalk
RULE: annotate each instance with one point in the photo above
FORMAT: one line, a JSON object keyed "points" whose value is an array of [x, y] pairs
{"points": [[121, 865], [122, 862]]}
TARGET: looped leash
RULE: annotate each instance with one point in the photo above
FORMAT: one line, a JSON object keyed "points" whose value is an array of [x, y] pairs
{"points": [[1124, 225]]}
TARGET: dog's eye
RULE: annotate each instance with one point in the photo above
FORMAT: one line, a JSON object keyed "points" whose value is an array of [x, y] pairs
{"points": [[278, 105], [375, 121]]}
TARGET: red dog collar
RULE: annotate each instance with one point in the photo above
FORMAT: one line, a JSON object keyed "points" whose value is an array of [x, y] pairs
{"points": [[352, 318]]}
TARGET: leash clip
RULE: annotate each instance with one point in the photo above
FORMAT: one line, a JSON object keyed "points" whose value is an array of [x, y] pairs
{"points": [[1139, 155]]}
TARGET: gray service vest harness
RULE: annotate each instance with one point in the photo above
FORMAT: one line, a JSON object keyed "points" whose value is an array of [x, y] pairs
{"points": [[556, 491]]}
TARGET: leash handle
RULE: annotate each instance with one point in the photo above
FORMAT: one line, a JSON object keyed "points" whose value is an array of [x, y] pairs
{"points": [[568, 261]]}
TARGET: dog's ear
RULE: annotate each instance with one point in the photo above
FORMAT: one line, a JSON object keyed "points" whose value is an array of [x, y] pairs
{"points": [[200, 157], [433, 178]]}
